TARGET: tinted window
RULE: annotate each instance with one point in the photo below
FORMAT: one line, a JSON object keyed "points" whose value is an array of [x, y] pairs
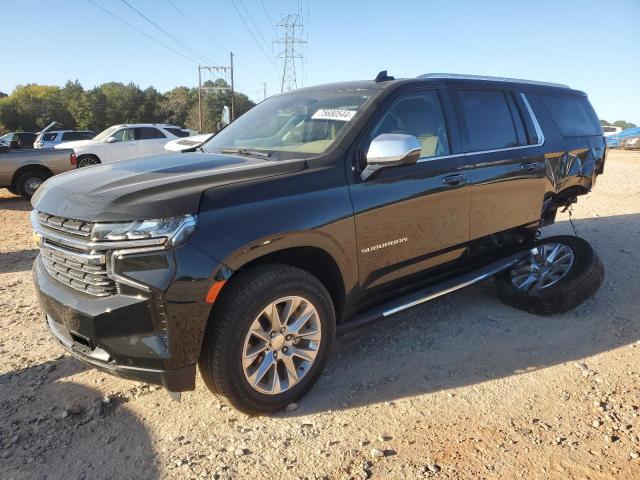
{"points": [[419, 115], [573, 116], [178, 132], [148, 133], [124, 135], [488, 119], [49, 137]]}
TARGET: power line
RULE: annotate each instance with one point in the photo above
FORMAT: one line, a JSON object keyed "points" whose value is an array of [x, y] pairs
{"points": [[252, 34], [172, 37], [268, 17], [253, 23], [204, 32], [142, 32]]}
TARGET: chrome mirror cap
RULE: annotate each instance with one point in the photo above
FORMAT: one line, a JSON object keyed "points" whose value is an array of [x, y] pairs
{"points": [[391, 149]]}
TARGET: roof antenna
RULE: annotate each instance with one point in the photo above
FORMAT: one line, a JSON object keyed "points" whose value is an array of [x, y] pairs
{"points": [[383, 77]]}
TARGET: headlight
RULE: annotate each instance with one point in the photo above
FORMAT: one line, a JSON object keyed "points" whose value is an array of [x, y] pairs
{"points": [[175, 229]]}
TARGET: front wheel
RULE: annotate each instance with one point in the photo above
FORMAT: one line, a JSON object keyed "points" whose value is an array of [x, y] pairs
{"points": [[559, 274], [268, 339]]}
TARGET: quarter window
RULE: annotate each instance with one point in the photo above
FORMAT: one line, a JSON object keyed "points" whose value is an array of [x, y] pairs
{"points": [[419, 115], [488, 119], [573, 115], [49, 137]]}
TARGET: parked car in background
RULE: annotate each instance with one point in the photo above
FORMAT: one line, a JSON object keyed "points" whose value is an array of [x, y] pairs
{"points": [[632, 143], [121, 142], [608, 130], [614, 141], [52, 138], [23, 171], [19, 139]]}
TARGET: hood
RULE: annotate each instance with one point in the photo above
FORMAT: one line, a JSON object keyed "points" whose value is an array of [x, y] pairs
{"points": [[76, 144], [150, 187]]}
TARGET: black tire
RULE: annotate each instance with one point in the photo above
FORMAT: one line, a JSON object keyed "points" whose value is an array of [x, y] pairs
{"points": [[13, 190], [26, 181], [88, 161], [580, 283], [241, 301]]}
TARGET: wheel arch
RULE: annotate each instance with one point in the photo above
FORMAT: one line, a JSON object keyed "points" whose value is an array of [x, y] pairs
{"points": [[26, 168]]}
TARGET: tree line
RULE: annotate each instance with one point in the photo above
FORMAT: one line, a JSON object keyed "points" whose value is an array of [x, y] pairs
{"points": [[623, 124], [31, 107]]}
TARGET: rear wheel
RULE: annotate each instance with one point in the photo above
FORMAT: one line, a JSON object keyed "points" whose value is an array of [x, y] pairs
{"points": [[559, 274], [88, 161], [269, 338], [28, 182]]}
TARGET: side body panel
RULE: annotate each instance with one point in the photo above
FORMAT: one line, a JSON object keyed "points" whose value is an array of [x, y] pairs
{"points": [[56, 161]]}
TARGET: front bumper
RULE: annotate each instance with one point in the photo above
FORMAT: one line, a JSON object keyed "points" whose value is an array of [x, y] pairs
{"points": [[152, 335]]}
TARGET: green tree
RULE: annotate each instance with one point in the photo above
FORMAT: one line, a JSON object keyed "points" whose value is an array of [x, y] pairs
{"points": [[623, 124]]}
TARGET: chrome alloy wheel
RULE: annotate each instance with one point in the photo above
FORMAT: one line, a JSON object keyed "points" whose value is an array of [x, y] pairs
{"points": [[31, 185], [546, 265], [87, 162], [281, 345]]}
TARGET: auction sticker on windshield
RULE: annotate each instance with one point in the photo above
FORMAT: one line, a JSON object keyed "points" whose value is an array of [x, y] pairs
{"points": [[333, 114]]}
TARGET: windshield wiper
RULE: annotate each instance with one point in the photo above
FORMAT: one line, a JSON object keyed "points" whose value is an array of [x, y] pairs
{"points": [[244, 151]]}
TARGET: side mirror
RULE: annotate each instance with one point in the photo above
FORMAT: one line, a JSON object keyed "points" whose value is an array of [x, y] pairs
{"points": [[111, 139], [390, 150]]}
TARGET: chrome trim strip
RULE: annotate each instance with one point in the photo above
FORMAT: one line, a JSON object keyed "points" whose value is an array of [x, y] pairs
{"points": [[536, 126], [534, 119], [89, 258], [477, 279], [459, 76]]}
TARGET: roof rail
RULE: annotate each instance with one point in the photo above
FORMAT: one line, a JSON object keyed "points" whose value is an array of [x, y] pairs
{"points": [[458, 76]]}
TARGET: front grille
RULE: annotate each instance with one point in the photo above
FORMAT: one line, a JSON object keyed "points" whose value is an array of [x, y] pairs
{"points": [[86, 272], [65, 225]]}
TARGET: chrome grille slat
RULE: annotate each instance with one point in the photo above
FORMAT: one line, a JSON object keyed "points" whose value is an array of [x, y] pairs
{"points": [[66, 225], [79, 268]]}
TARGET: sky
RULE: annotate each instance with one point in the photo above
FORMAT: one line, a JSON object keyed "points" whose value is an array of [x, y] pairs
{"points": [[592, 46]]}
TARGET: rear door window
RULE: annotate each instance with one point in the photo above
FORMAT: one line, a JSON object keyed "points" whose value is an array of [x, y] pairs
{"points": [[488, 119], [572, 115], [178, 132], [49, 137], [148, 133]]}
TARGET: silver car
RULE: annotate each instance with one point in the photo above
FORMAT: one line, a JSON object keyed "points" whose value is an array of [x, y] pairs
{"points": [[52, 138]]}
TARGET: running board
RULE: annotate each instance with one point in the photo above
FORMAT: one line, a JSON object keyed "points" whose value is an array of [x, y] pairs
{"points": [[421, 296]]}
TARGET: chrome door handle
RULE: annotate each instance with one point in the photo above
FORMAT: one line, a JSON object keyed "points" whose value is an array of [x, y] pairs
{"points": [[529, 167], [454, 180]]}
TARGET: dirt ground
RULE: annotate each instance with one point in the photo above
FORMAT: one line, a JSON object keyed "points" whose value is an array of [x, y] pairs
{"points": [[461, 387]]}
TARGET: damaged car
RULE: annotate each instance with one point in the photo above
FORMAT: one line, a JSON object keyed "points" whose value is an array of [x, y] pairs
{"points": [[319, 209]]}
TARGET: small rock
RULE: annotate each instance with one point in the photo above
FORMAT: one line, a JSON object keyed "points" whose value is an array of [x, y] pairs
{"points": [[525, 431], [376, 453], [384, 438], [596, 423], [239, 452], [634, 455], [291, 407], [434, 467], [73, 409]]}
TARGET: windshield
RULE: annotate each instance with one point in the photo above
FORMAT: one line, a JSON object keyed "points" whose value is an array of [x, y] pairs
{"points": [[103, 135], [306, 122]]}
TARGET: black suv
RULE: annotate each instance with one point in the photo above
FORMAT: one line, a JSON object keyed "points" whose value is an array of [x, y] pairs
{"points": [[340, 203]]}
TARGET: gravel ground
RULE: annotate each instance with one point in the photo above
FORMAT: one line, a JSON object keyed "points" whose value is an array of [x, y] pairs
{"points": [[461, 387]]}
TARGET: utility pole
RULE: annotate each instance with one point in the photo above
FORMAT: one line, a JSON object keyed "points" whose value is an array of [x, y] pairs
{"points": [[215, 69], [291, 26], [264, 86]]}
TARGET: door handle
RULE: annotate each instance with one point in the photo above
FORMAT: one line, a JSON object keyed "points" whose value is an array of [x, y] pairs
{"points": [[529, 167], [454, 180]]}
